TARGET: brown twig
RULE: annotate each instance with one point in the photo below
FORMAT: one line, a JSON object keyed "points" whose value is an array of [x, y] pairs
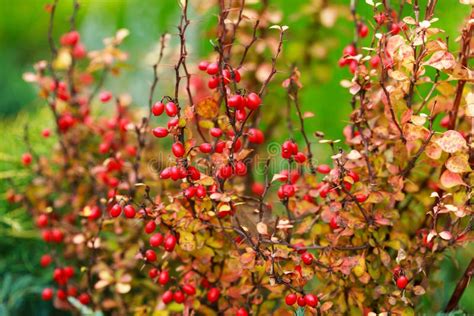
{"points": [[460, 287]]}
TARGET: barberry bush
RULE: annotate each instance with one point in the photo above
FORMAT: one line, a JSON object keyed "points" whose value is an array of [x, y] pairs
{"points": [[190, 205]]}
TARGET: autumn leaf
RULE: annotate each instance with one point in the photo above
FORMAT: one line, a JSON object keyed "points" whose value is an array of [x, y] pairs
{"points": [[441, 60], [451, 142], [449, 179]]}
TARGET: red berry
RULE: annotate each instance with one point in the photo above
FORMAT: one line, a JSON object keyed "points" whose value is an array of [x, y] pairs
{"points": [[61, 294], [301, 301], [242, 312], [235, 101], [324, 169], [158, 108], [190, 192], [201, 191], [444, 122], [375, 61], [79, 51], [178, 149], [42, 220], [288, 190], [203, 65], [402, 282], [253, 101], [71, 291], [95, 213], [153, 273], [68, 271], [26, 159], [225, 172], [129, 211], [170, 243], [189, 289], [216, 132], [173, 122], [116, 210], [156, 240], [167, 297], [57, 235], [178, 297], [333, 222], [349, 50], [47, 294], [45, 260], [290, 299], [213, 295], [258, 188], [46, 133], [171, 109], [300, 157], [70, 38], [240, 168], [84, 299], [212, 69], [311, 300], [105, 96], [380, 18], [361, 197], [205, 148], [150, 255], [307, 258], [353, 175], [213, 83], [363, 30], [164, 277], [150, 227], [395, 29], [256, 136]]}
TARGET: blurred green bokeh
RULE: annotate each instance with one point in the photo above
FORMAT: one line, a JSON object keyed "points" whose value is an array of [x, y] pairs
{"points": [[23, 41]]}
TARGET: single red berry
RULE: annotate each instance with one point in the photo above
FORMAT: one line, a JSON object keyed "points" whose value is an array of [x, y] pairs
{"points": [[46, 133], [68, 271], [258, 188], [156, 240], [129, 211], [71, 291], [240, 115], [301, 301], [213, 83], [95, 213], [203, 65], [61, 294], [307, 258], [26, 159], [171, 109], [205, 148], [105, 96], [324, 169], [47, 294], [256, 136], [190, 192], [79, 51], [42, 221], [178, 149], [444, 122], [253, 101], [153, 273], [213, 295], [164, 277], [170, 242], [375, 61], [333, 223], [115, 210], [189, 289], [363, 30], [212, 69], [215, 132], [242, 312], [150, 255], [178, 297], [167, 297], [45, 260], [290, 299], [225, 172], [395, 29], [150, 227], [201, 191], [194, 173], [349, 50], [57, 235], [235, 101], [311, 300], [402, 282], [300, 157], [380, 18], [240, 168], [158, 108], [361, 197], [84, 298], [288, 190], [173, 122], [70, 38]]}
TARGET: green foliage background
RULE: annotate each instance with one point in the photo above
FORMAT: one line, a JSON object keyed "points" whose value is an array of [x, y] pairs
{"points": [[23, 40]]}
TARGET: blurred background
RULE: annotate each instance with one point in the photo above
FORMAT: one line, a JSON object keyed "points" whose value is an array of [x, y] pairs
{"points": [[23, 41]]}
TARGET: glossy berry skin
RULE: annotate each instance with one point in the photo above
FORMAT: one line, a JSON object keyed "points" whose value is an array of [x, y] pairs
{"points": [[203, 65], [153, 273], [290, 299], [213, 295], [361, 197], [225, 172], [178, 297], [171, 109], [42, 221], [324, 169], [307, 258], [46, 133], [178, 149], [333, 223], [256, 136], [212, 69], [84, 298], [61, 294], [45, 260], [258, 188], [205, 148], [253, 101], [235, 101], [164, 277], [116, 210], [300, 157], [311, 300], [26, 159], [156, 240], [213, 83], [395, 29], [242, 312], [150, 255], [215, 132], [240, 168], [150, 227], [170, 243], [189, 289], [353, 175], [47, 294], [105, 96], [402, 282], [158, 108], [301, 301], [363, 30], [167, 297], [95, 213], [129, 211]]}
